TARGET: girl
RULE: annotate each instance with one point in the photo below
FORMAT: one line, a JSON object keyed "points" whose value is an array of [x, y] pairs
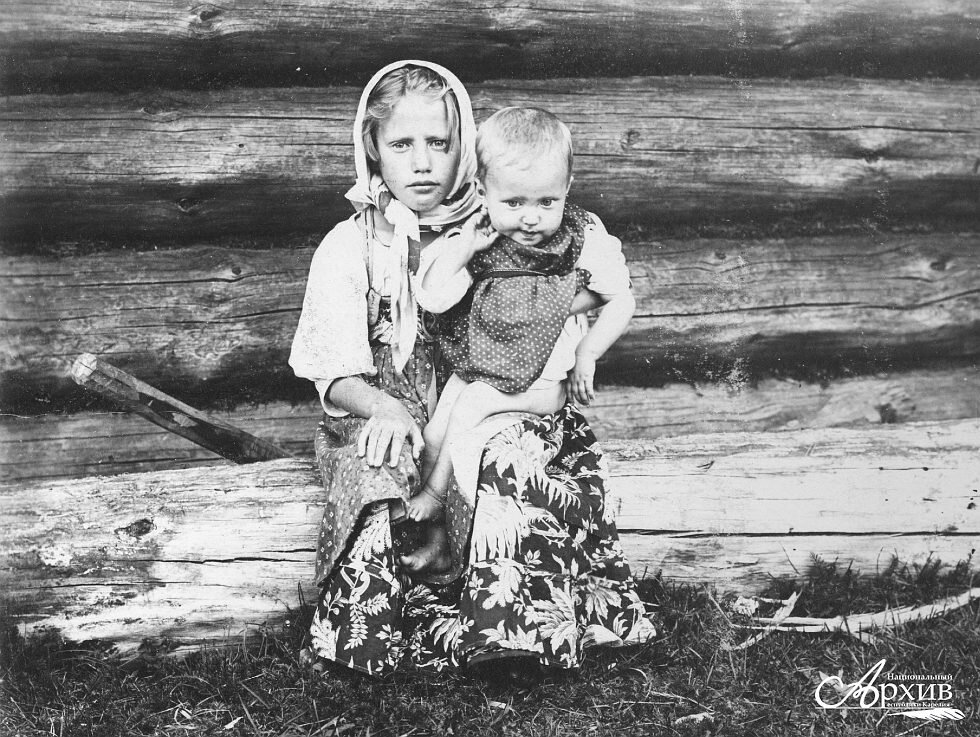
{"points": [[370, 352]]}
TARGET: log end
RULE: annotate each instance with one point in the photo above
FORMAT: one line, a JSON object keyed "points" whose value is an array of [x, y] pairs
{"points": [[91, 373], [83, 368]]}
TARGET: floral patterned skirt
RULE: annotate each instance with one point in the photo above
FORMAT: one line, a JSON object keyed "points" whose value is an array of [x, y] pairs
{"points": [[542, 571]]}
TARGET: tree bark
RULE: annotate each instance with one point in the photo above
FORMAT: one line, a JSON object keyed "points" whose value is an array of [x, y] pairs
{"points": [[209, 324], [64, 46], [192, 555], [669, 152]]}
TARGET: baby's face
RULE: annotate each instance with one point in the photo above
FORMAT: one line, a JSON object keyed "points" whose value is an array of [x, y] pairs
{"points": [[525, 201]]}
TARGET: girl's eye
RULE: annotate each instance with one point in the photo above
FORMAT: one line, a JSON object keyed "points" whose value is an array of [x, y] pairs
{"points": [[398, 146], [440, 144]]}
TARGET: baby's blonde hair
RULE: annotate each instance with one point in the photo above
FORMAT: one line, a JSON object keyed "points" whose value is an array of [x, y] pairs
{"points": [[521, 133], [391, 88]]}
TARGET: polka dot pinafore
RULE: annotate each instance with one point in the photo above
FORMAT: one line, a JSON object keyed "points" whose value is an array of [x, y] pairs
{"points": [[505, 328]]}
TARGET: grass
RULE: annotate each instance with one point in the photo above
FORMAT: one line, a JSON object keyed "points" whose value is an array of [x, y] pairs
{"points": [[684, 683]]}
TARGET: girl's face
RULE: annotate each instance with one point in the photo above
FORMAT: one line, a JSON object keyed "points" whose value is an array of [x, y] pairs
{"points": [[417, 160]]}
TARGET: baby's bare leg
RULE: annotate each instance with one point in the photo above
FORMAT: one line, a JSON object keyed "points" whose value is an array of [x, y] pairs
{"points": [[427, 504], [472, 404], [475, 403]]}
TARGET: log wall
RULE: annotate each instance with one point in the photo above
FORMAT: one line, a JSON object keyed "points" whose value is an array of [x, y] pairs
{"points": [[796, 185]]}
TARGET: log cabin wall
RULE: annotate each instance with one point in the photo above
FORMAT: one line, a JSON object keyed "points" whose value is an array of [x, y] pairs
{"points": [[796, 185], [169, 166]]}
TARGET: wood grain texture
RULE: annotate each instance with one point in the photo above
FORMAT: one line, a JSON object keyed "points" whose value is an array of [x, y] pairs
{"points": [[665, 151], [181, 320], [746, 564], [784, 404], [180, 555], [205, 322], [107, 443], [95, 443], [895, 479], [743, 309], [137, 555], [106, 44]]}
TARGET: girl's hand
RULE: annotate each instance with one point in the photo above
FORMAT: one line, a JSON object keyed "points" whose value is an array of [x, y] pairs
{"points": [[385, 433], [585, 301], [581, 378]]}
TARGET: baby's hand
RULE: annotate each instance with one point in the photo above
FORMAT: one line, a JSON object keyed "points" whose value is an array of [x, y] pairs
{"points": [[581, 377], [478, 232]]}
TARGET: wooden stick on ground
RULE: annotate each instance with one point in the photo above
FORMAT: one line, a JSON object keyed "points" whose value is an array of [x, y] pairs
{"points": [[872, 620], [171, 414]]}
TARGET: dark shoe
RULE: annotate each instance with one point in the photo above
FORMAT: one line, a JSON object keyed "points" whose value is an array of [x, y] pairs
{"points": [[517, 670]]}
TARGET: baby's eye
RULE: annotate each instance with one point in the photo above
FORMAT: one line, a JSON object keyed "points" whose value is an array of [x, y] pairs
{"points": [[512, 203], [548, 201]]}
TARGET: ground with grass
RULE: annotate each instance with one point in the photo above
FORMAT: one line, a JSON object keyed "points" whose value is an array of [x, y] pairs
{"points": [[687, 682]]}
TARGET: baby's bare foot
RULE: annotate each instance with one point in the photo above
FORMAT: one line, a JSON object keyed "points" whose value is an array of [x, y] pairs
{"points": [[432, 557], [424, 506]]}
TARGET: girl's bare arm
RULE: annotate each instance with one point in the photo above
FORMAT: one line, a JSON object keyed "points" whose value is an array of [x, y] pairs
{"points": [[611, 323], [585, 301]]}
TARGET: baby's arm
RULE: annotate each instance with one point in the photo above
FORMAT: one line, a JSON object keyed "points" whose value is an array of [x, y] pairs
{"points": [[473, 236], [611, 323]]}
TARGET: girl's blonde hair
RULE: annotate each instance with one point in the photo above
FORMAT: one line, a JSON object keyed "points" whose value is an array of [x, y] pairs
{"points": [[393, 87]]}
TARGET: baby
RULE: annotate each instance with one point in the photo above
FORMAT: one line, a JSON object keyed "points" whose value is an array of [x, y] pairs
{"points": [[508, 291]]}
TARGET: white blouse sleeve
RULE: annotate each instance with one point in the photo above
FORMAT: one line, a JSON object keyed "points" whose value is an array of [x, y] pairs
{"points": [[331, 340], [602, 256], [443, 296]]}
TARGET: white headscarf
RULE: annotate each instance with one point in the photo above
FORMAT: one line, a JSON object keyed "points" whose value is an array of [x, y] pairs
{"points": [[370, 191]]}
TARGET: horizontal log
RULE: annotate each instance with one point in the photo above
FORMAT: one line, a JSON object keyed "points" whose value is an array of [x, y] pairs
{"points": [[107, 443], [197, 323], [206, 323], [184, 556], [61, 45], [737, 310], [784, 404], [136, 556], [666, 151], [914, 478], [745, 564]]}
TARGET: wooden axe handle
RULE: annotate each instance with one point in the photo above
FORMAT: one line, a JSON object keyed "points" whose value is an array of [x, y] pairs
{"points": [[171, 414]]}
